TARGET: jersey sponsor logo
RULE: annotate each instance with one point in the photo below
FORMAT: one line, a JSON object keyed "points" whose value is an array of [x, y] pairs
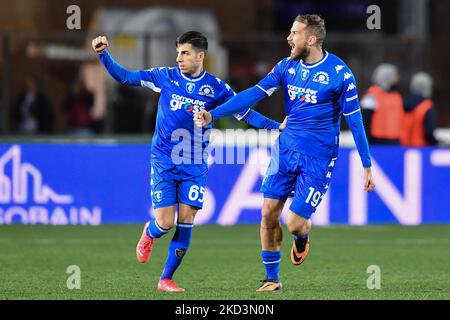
{"points": [[321, 77], [189, 105], [206, 90], [190, 87], [302, 94], [292, 71], [347, 75], [339, 68], [351, 87], [305, 74]]}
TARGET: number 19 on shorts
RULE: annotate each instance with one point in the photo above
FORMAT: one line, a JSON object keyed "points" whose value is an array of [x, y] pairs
{"points": [[196, 193], [314, 197]]}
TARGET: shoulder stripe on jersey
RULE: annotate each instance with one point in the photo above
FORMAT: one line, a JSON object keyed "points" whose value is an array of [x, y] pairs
{"points": [[351, 98], [268, 92], [350, 113], [239, 117], [150, 85]]}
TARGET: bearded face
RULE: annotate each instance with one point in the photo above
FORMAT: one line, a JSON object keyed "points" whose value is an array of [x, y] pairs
{"points": [[297, 39], [300, 52]]}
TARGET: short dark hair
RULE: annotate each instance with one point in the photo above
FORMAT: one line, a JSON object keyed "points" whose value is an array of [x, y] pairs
{"points": [[195, 38], [315, 26]]}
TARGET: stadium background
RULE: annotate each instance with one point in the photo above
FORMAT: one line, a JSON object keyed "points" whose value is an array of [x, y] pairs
{"points": [[55, 185]]}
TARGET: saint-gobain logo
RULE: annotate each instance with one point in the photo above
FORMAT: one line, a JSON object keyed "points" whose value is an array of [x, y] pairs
{"points": [[24, 195], [15, 189]]}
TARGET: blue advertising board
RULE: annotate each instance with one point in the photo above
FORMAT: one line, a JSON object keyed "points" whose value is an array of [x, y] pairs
{"points": [[92, 184]]}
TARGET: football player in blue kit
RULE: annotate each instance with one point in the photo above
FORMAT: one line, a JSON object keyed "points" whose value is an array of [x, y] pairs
{"points": [[178, 170], [317, 87]]}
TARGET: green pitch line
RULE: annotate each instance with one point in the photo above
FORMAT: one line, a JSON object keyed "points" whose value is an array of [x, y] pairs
{"points": [[224, 263]]}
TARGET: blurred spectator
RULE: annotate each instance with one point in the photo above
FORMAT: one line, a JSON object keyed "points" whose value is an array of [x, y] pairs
{"points": [[77, 106], [129, 108], [32, 112], [420, 119], [383, 106]]}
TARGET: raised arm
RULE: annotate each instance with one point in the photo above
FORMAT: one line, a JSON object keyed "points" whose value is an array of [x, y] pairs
{"points": [[118, 72]]}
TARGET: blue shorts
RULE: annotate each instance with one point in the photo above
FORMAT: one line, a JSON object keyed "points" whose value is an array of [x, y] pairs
{"points": [[292, 173], [172, 184]]}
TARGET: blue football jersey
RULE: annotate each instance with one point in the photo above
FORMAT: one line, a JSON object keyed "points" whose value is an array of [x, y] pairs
{"points": [[314, 95], [181, 97]]}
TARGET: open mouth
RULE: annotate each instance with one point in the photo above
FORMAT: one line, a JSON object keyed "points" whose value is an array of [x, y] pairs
{"points": [[292, 47]]}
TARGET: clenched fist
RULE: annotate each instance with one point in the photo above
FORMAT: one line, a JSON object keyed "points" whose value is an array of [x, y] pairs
{"points": [[99, 44], [202, 118]]}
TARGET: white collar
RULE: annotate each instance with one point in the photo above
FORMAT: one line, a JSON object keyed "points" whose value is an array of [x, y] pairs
{"points": [[315, 64], [198, 78]]}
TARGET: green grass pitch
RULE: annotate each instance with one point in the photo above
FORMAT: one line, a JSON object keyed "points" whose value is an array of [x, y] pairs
{"points": [[225, 263]]}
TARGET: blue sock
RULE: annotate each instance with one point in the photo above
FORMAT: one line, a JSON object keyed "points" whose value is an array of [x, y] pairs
{"points": [[177, 249], [300, 242], [154, 230], [300, 238], [271, 260]]}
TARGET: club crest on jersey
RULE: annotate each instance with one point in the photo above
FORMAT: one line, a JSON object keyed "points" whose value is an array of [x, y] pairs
{"points": [[305, 74], [158, 196], [190, 87], [321, 77], [206, 90], [180, 253]]}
